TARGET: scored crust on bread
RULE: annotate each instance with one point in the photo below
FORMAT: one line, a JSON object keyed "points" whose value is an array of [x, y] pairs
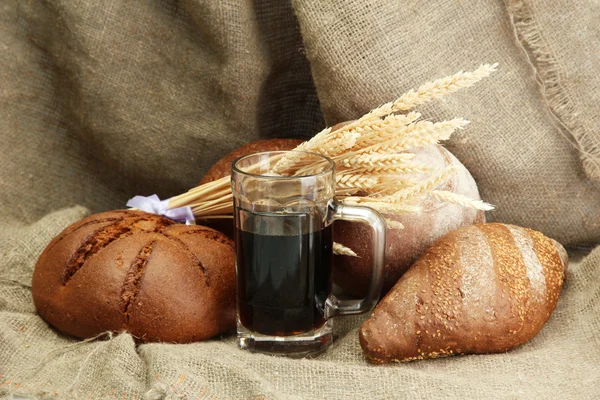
{"points": [[139, 272], [486, 288]]}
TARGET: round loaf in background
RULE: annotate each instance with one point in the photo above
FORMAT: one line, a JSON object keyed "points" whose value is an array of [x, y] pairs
{"points": [[404, 246], [222, 167], [142, 273]]}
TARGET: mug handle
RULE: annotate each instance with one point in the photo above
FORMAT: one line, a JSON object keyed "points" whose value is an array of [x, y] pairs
{"points": [[334, 306]]}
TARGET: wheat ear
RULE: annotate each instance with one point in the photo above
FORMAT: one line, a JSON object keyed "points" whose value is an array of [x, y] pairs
{"points": [[287, 161], [376, 160], [334, 146], [375, 130], [341, 250], [433, 90], [355, 181], [395, 169], [426, 185], [455, 198], [417, 135]]}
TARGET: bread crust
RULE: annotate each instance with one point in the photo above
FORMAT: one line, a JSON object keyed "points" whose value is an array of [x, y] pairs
{"points": [[406, 245], [222, 167], [142, 273], [486, 288]]}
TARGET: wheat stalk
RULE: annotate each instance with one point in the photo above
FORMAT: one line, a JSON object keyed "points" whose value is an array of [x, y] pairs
{"points": [[391, 208], [432, 90], [372, 156], [421, 134], [455, 198]]}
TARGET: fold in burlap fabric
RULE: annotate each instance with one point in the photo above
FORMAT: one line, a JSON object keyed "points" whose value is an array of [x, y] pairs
{"points": [[518, 146], [37, 360], [103, 101], [100, 101]]}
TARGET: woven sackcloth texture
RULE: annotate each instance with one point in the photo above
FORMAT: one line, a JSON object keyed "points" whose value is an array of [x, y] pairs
{"points": [[101, 101], [525, 139], [37, 360]]}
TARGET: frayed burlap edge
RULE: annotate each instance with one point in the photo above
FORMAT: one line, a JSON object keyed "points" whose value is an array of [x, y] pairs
{"points": [[547, 70]]}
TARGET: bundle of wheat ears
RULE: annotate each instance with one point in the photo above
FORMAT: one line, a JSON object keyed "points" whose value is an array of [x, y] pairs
{"points": [[369, 154]]}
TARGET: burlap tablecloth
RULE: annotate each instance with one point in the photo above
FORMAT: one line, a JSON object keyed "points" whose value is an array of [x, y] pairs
{"points": [[101, 101], [561, 362]]}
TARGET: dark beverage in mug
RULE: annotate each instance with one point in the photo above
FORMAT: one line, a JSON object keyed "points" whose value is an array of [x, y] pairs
{"points": [[284, 206], [283, 281]]}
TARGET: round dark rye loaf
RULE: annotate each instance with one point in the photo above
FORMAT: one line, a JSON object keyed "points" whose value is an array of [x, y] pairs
{"points": [[222, 167], [139, 272], [481, 289]]}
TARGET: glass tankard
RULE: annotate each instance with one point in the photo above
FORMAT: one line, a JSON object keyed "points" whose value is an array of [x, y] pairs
{"points": [[284, 252]]}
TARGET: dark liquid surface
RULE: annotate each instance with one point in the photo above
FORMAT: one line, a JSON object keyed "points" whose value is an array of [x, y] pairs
{"points": [[283, 281]]}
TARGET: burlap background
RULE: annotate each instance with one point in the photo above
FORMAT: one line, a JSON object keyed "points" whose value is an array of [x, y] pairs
{"points": [[100, 101], [363, 55], [36, 360], [104, 100]]}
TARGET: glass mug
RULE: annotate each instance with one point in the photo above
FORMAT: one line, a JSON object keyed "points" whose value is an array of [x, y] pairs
{"points": [[284, 253]]}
